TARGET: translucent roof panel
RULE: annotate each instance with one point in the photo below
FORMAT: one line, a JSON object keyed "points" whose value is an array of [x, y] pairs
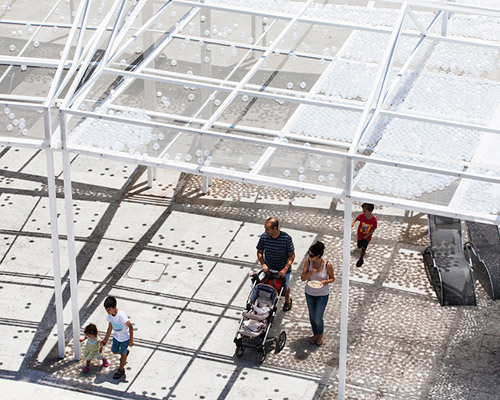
{"points": [[396, 102]]}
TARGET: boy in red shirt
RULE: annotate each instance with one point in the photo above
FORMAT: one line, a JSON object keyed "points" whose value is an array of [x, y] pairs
{"points": [[367, 225]]}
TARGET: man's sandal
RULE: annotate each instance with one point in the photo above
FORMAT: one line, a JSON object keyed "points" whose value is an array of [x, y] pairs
{"points": [[287, 306], [118, 374]]}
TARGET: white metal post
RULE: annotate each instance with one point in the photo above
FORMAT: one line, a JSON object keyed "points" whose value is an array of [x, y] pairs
{"points": [[344, 314], [207, 110], [68, 204], [346, 262], [444, 25], [54, 233], [149, 85]]}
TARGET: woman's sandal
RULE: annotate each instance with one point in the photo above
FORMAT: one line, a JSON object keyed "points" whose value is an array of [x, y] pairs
{"points": [[287, 306], [118, 374]]}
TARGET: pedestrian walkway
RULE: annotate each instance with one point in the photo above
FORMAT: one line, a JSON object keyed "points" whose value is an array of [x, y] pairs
{"points": [[178, 263]]}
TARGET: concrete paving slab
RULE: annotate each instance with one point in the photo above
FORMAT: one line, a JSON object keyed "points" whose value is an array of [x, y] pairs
{"points": [[16, 209], [86, 216], [193, 233], [161, 374], [182, 278], [14, 389], [222, 283], [36, 164], [252, 383], [101, 172], [17, 341], [243, 245], [20, 259], [14, 159], [23, 184], [221, 337], [5, 243], [204, 379], [102, 258], [132, 220], [402, 344]]}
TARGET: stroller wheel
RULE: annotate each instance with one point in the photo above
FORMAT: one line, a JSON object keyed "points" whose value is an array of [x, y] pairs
{"points": [[280, 343], [240, 350], [261, 356]]}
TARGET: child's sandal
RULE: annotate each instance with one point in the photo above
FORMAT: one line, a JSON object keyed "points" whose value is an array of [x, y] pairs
{"points": [[105, 363], [85, 369]]}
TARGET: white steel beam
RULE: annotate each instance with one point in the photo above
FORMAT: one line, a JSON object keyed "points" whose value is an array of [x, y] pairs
{"points": [[82, 10], [362, 27], [242, 128], [382, 75], [289, 146], [287, 184], [7, 70], [32, 61], [270, 151], [384, 96], [24, 143], [440, 121], [349, 106], [437, 5]]}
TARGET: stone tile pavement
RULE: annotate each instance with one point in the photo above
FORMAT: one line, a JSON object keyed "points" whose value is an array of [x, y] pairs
{"points": [[178, 263]]}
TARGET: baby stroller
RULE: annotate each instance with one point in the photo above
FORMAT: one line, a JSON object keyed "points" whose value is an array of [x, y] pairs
{"points": [[257, 319]]}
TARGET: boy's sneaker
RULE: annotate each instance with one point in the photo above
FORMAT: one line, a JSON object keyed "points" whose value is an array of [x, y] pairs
{"points": [[105, 363], [118, 374], [359, 263]]}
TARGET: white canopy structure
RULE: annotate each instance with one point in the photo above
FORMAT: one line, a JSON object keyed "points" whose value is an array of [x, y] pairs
{"points": [[388, 101]]}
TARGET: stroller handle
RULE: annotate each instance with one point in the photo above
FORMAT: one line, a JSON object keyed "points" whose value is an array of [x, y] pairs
{"points": [[261, 275]]}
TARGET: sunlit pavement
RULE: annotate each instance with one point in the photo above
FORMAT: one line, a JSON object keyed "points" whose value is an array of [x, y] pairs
{"points": [[178, 263]]}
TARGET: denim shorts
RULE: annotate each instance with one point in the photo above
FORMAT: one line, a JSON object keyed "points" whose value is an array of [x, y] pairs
{"points": [[287, 280], [120, 347]]}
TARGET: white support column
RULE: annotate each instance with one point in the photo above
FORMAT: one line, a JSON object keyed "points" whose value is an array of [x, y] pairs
{"points": [[68, 205], [446, 16], [151, 176], [206, 70], [444, 25], [344, 315], [346, 262], [204, 184], [149, 85], [51, 183]]}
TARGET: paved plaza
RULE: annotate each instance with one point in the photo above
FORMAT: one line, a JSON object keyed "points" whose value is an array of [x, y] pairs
{"points": [[178, 262]]}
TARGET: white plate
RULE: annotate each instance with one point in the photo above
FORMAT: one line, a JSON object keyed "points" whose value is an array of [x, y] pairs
{"points": [[315, 284]]}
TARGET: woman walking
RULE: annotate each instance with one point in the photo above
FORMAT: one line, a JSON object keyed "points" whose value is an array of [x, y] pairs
{"points": [[319, 274]]}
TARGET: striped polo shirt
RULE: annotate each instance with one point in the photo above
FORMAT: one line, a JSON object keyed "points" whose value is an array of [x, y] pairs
{"points": [[276, 250]]}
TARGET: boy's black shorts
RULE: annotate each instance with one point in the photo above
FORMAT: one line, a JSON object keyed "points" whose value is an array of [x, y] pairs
{"points": [[363, 243]]}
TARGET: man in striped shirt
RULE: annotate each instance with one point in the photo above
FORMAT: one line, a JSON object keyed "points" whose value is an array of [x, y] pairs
{"points": [[275, 252]]}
